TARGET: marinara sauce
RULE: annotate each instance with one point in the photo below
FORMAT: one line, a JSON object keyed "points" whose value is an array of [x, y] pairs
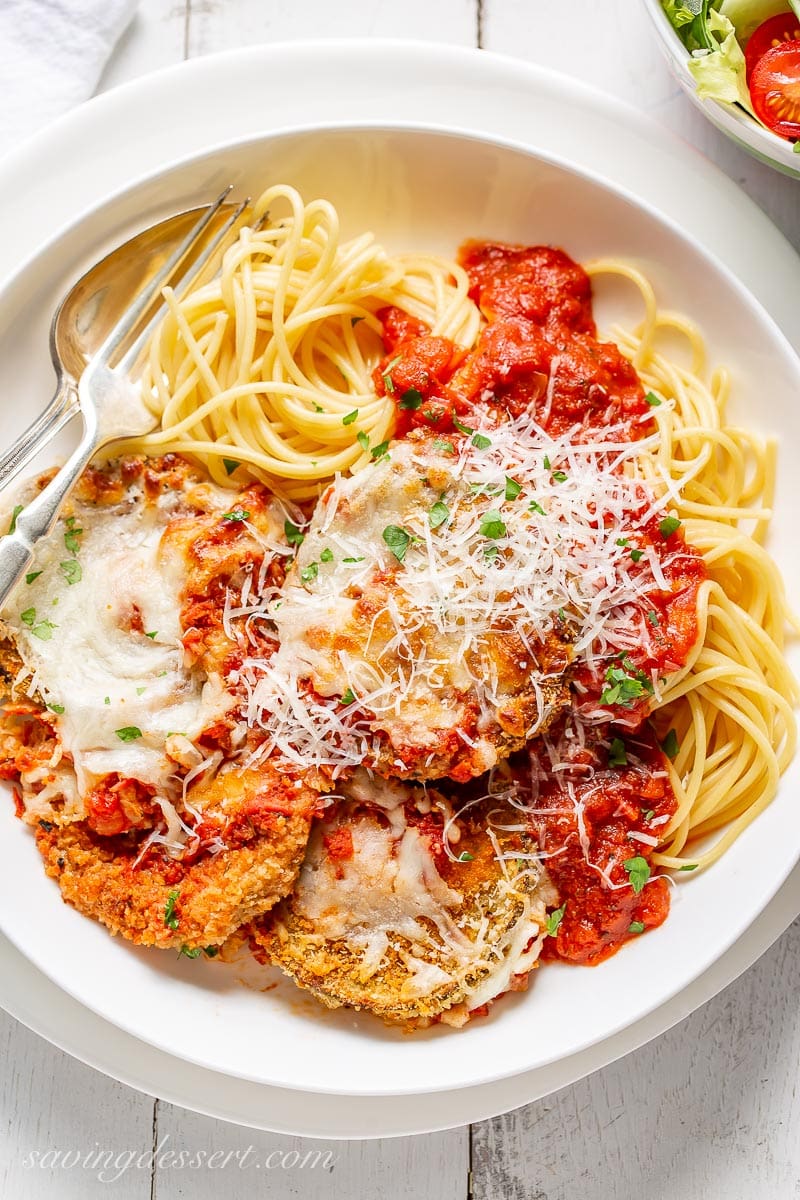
{"points": [[539, 353]]}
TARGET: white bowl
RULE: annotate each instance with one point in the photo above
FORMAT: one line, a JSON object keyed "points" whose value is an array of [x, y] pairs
{"points": [[418, 189], [733, 121]]}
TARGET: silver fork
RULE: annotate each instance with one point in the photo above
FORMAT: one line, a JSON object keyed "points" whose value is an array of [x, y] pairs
{"points": [[107, 400]]}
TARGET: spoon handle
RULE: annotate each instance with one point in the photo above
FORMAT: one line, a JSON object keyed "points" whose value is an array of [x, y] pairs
{"points": [[38, 518], [61, 409]]}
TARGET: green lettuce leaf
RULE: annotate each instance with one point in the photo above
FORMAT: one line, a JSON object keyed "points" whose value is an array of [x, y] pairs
{"points": [[720, 73], [680, 12], [747, 15]]}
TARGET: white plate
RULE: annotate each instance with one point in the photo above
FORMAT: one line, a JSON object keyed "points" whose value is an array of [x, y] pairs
{"points": [[511, 95], [733, 121], [30, 996]]}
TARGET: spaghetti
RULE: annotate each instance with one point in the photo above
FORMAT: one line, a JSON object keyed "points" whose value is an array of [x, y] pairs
{"points": [[536, 569], [266, 372], [267, 367], [731, 706]]}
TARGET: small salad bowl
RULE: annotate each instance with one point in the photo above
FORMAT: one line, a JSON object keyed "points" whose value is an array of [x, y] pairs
{"points": [[740, 90]]}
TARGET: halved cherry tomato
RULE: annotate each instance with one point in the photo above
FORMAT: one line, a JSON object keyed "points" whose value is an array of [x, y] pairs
{"points": [[785, 27], [775, 89]]}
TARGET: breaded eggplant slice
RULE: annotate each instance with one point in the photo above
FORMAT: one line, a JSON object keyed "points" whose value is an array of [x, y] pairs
{"points": [[253, 830], [119, 644], [384, 919], [409, 623]]}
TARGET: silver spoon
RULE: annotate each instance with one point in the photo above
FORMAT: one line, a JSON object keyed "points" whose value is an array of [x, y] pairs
{"points": [[90, 310], [108, 401]]}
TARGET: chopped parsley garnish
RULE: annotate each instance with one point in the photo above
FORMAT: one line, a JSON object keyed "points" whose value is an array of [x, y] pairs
{"points": [[534, 506], [310, 573], [546, 462], [353, 560], [363, 440], [559, 476], [626, 684], [213, 951], [554, 919], [56, 708], [652, 399], [72, 570], [318, 407], [636, 555], [12, 525], [230, 465], [387, 374], [648, 816], [128, 733], [491, 553], [397, 539], [29, 578], [326, 555], [293, 535], [446, 447], [636, 927], [186, 951], [351, 416], [513, 488], [466, 429], [71, 536], [465, 856], [438, 514], [238, 514], [348, 697], [652, 617], [616, 753], [43, 630], [170, 916], [411, 400], [621, 542], [378, 451], [153, 634], [107, 700], [638, 870], [671, 745], [689, 867], [140, 691], [480, 442], [668, 526], [492, 525]]}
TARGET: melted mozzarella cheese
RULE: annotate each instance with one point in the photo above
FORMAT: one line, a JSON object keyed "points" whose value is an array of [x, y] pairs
{"points": [[390, 894], [98, 630], [513, 534]]}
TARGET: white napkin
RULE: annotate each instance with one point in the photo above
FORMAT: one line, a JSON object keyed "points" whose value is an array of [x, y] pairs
{"points": [[52, 53]]}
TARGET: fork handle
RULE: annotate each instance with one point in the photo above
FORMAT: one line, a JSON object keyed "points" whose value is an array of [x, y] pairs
{"points": [[61, 409], [38, 518]]}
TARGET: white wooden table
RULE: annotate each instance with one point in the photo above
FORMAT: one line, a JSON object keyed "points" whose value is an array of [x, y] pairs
{"points": [[708, 1110]]}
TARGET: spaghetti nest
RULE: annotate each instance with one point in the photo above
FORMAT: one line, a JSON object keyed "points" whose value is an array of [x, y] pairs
{"points": [[268, 366], [731, 706], [266, 372]]}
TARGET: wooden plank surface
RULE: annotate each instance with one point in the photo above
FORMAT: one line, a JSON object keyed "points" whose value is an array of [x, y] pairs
{"points": [[224, 24], [434, 1166], [709, 1109], [65, 1130]]}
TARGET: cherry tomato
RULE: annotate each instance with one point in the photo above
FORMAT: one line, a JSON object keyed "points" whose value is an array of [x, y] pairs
{"points": [[783, 28], [775, 89]]}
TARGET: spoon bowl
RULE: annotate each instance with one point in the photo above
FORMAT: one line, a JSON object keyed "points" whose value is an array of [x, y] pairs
{"points": [[91, 309]]}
